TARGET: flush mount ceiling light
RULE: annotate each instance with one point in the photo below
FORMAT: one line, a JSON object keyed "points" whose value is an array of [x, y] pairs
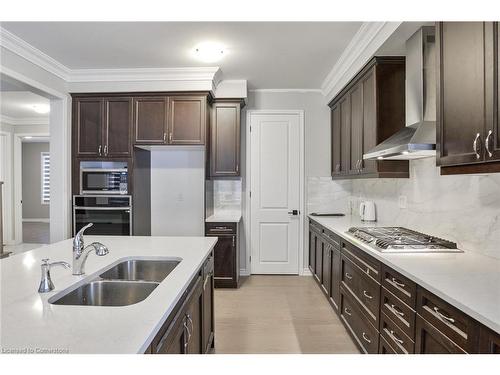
{"points": [[209, 51], [41, 108]]}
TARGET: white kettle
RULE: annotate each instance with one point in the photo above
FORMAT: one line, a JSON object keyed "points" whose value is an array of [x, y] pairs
{"points": [[367, 211]]}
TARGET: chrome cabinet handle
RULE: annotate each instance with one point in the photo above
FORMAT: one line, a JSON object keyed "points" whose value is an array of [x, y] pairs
{"points": [[347, 311], [487, 143], [186, 342], [234, 241], [474, 145], [367, 295], [237, 168], [366, 338], [192, 324], [170, 137], [99, 150], [442, 316], [395, 338], [401, 285], [348, 275], [164, 137], [105, 150], [396, 310]]}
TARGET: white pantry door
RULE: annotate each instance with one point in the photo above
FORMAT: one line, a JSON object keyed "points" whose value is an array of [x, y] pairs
{"points": [[275, 192]]}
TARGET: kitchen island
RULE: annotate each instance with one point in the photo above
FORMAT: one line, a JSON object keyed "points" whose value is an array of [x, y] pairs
{"points": [[31, 324]]}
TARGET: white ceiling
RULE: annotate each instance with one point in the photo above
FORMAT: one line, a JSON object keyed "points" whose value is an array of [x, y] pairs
{"points": [[273, 55], [19, 105]]}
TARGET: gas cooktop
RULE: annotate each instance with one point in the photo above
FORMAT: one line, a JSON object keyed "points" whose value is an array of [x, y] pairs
{"points": [[402, 240]]}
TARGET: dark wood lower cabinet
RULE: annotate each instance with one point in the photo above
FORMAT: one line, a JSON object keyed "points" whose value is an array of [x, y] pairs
{"points": [[191, 329], [226, 253], [386, 312]]}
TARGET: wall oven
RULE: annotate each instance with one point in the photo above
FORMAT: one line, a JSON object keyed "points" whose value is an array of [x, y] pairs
{"points": [[111, 214]]}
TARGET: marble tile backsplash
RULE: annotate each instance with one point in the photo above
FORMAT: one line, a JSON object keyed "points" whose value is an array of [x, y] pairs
{"points": [[327, 196], [227, 196], [462, 208]]}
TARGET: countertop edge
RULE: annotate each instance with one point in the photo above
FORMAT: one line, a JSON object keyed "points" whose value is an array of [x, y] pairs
{"points": [[379, 256]]}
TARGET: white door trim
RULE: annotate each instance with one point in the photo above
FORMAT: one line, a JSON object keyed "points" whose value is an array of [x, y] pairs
{"points": [[247, 223], [18, 182]]}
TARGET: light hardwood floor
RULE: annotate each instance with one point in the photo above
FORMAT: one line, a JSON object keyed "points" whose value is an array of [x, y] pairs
{"points": [[278, 314]]}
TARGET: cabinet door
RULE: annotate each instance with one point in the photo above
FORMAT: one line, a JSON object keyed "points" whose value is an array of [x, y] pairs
{"points": [[150, 119], [345, 135], [224, 258], [335, 277], [493, 129], [312, 251], [429, 340], [356, 98], [225, 145], [118, 129], [319, 259], [369, 120], [194, 320], [208, 311], [489, 342], [327, 264], [175, 339], [187, 120], [336, 140], [88, 116], [461, 111]]}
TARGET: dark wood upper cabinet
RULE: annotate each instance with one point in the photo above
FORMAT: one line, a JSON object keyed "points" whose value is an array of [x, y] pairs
{"points": [[468, 138], [88, 119], [150, 120], [367, 111], [225, 139], [187, 120], [118, 127]]}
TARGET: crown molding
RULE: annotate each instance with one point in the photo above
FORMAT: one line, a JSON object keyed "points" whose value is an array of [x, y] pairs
{"points": [[364, 44], [27, 51], [144, 74], [287, 90], [24, 120]]}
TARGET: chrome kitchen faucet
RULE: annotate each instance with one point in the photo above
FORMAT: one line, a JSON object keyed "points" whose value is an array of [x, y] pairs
{"points": [[81, 253]]}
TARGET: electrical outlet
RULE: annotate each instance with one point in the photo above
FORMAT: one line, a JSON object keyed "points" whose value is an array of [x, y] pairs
{"points": [[402, 201]]}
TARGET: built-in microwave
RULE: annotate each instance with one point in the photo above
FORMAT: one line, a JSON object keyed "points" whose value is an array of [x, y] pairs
{"points": [[104, 181]]}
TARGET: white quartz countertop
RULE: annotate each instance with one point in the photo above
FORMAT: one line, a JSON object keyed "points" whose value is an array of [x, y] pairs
{"points": [[29, 323], [224, 218], [469, 281]]}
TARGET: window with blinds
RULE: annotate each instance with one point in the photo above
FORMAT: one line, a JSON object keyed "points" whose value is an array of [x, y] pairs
{"points": [[45, 178]]}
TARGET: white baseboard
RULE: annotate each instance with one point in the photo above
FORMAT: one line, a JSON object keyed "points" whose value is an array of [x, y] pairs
{"points": [[244, 272], [41, 220], [306, 272]]}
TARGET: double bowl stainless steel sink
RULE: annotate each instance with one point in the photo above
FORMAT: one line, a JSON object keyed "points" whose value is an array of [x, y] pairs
{"points": [[128, 282]]}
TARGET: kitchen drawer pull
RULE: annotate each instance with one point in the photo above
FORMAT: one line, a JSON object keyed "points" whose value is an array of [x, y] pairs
{"points": [[487, 143], [396, 310], [366, 338], [395, 338], [474, 145], [347, 311], [395, 281], [348, 275], [442, 316], [367, 295]]}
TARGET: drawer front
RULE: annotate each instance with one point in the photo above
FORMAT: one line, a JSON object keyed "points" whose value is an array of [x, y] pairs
{"points": [[398, 312], [220, 228], [363, 287], [453, 323], [429, 340], [366, 263], [395, 336], [400, 286], [365, 334], [385, 348], [331, 238], [315, 227]]}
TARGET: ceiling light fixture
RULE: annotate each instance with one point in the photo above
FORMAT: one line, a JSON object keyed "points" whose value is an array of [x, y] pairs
{"points": [[41, 108], [28, 137], [209, 51]]}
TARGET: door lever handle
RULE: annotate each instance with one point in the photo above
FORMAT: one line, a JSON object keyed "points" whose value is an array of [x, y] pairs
{"points": [[294, 212]]}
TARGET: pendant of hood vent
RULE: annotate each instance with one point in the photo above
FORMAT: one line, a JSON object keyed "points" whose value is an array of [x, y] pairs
{"points": [[418, 138]]}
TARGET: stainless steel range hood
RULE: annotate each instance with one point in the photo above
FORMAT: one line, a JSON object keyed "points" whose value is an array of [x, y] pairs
{"points": [[418, 138]]}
